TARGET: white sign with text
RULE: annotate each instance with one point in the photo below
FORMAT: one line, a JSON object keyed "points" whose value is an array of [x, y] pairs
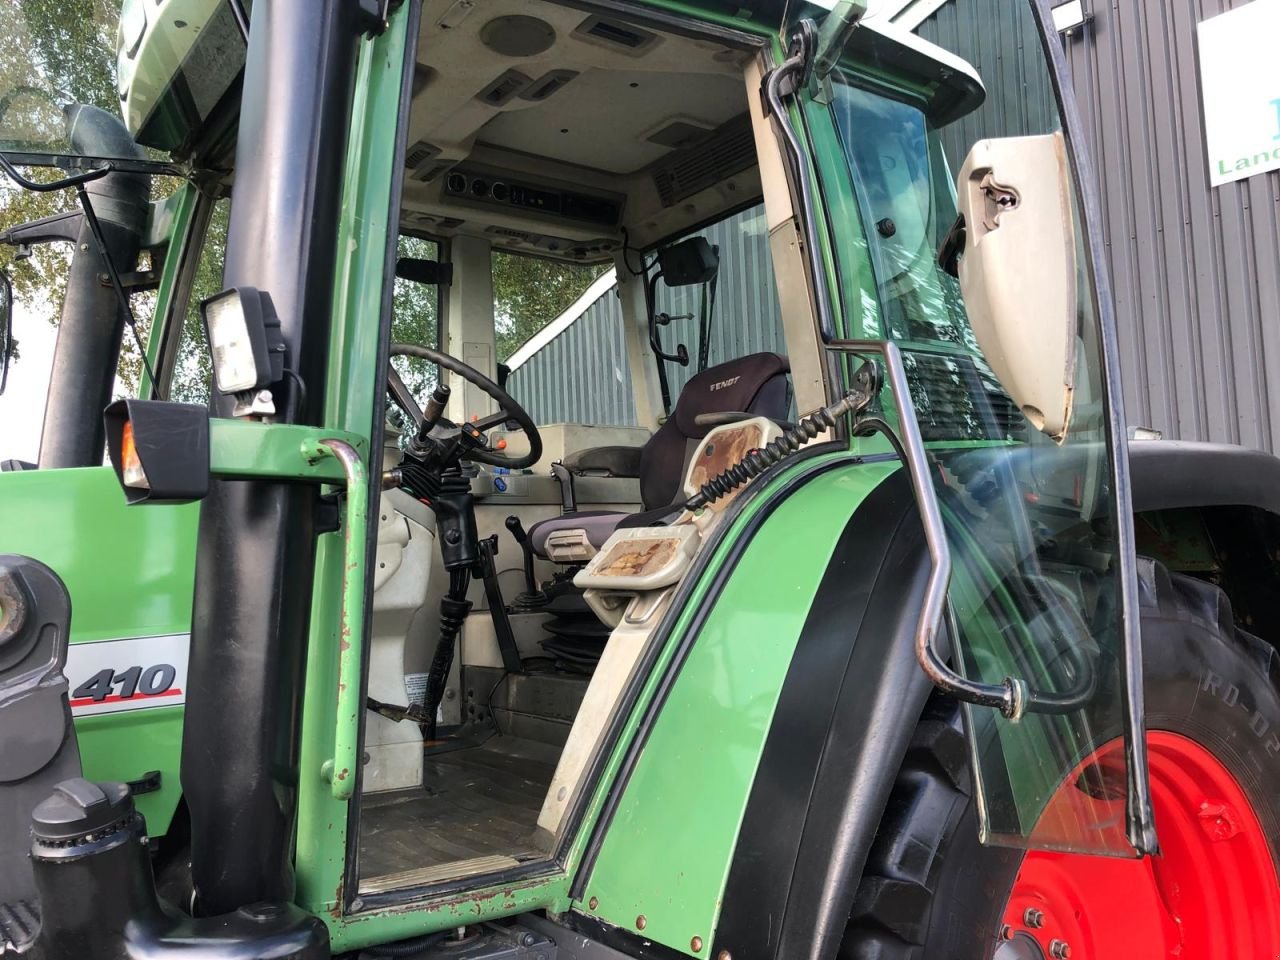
{"points": [[1240, 83]]}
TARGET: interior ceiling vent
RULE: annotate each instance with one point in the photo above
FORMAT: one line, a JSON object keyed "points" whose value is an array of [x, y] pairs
{"points": [[518, 36], [419, 152], [508, 232], [548, 84], [430, 171], [451, 223], [504, 88], [616, 35], [729, 150]]}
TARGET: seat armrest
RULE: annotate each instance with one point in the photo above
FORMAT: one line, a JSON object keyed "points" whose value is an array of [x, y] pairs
{"points": [[614, 461]]}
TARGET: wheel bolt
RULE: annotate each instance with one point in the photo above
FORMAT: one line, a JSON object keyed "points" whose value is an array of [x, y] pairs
{"points": [[1006, 932], [1059, 949], [1033, 918]]}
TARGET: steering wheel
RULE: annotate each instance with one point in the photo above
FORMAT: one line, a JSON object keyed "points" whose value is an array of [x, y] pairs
{"points": [[508, 409]]}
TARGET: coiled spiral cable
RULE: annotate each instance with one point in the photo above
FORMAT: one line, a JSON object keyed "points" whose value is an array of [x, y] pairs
{"points": [[867, 383]]}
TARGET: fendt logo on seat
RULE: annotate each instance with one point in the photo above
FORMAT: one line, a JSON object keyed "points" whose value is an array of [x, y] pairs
{"points": [[725, 384], [111, 676]]}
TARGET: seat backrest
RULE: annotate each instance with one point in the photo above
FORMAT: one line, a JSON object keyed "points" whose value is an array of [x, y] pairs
{"points": [[756, 383]]}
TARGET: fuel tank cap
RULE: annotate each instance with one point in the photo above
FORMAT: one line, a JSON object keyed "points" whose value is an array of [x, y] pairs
{"points": [[78, 808]]}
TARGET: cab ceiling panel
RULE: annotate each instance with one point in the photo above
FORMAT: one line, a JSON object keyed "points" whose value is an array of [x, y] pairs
{"points": [[621, 121], [515, 73]]}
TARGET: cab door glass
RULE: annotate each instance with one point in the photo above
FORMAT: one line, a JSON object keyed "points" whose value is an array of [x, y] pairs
{"points": [[1037, 580], [415, 318], [192, 368]]}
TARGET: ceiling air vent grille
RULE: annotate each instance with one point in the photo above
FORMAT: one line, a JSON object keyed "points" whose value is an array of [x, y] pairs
{"points": [[616, 35], [419, 152], [430, 171], [504, 88], [729, 150], [548, 84], [508, 232]]}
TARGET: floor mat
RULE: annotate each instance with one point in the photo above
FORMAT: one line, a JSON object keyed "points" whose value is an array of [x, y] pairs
{"points": [[474, 803]]}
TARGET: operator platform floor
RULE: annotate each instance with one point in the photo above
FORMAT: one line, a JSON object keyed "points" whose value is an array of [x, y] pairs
{"points": [[478, 802]]}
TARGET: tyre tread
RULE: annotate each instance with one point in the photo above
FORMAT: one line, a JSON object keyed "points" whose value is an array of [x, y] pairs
{"points": [[891, 910], [895, 902]]}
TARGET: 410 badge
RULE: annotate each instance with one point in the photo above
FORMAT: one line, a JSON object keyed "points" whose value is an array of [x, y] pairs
{"points": [[136, 673]]}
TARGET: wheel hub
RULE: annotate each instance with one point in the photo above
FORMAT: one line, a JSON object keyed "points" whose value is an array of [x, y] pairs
{"points": [[1019, 946], [1211, 892]]}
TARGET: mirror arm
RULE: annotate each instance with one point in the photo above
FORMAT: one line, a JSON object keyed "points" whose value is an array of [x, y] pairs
{"points": [[63, 226], [834, 35], [113, 275], [75, 180]]}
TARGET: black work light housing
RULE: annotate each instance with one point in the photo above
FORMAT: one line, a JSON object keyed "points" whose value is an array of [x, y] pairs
{"points": [[244, 339], [159, 450]]}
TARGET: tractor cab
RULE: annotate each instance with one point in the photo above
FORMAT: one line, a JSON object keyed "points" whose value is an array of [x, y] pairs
{"points": [[570, 452], [621, 153]]}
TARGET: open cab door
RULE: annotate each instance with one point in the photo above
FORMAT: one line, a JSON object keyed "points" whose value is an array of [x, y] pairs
{"points": [[974, 200]]}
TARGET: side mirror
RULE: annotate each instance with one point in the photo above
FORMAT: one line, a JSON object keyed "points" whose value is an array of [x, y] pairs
{"points": [[6, 328], [688, 262], [1018, 271]]}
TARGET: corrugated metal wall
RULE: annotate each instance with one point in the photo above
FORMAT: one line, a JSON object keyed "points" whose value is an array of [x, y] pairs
{"points": [[582, 376], [1020, 97], [1196, 270]]}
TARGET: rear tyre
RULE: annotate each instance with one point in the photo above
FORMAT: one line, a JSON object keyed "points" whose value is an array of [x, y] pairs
{"points": [[930, 891]]}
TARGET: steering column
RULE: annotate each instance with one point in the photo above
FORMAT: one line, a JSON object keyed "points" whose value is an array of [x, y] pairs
{"points": [[431, 470]]}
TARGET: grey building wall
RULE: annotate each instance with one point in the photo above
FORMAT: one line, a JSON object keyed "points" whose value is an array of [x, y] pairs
{"points": [[582, 376], [1196, 270]]}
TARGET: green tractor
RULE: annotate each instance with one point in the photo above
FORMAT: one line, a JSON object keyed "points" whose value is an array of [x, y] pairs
{"points": [[803, 593]]}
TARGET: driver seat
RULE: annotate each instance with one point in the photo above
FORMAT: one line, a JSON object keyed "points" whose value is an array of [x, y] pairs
{"points": [[756, 384]]}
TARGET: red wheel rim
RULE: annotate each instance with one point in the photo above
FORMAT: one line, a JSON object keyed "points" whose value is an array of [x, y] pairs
{"points": [[1212, 892]]}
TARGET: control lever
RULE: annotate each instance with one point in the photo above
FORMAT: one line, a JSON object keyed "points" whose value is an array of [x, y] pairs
{"points": [[568, 496], [498, 607], [434, 409], [531, 594], [414, 711]]}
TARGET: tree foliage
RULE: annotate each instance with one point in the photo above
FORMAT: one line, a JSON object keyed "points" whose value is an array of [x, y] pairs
{"points": [[528, 293]]}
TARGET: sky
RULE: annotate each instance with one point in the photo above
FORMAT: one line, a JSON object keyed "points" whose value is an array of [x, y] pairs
{"points": [[22, 404]]}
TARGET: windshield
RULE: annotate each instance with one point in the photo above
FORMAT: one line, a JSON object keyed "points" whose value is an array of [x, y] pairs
{"points": [[150, 74], [1031, 522], [53, 55]]}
